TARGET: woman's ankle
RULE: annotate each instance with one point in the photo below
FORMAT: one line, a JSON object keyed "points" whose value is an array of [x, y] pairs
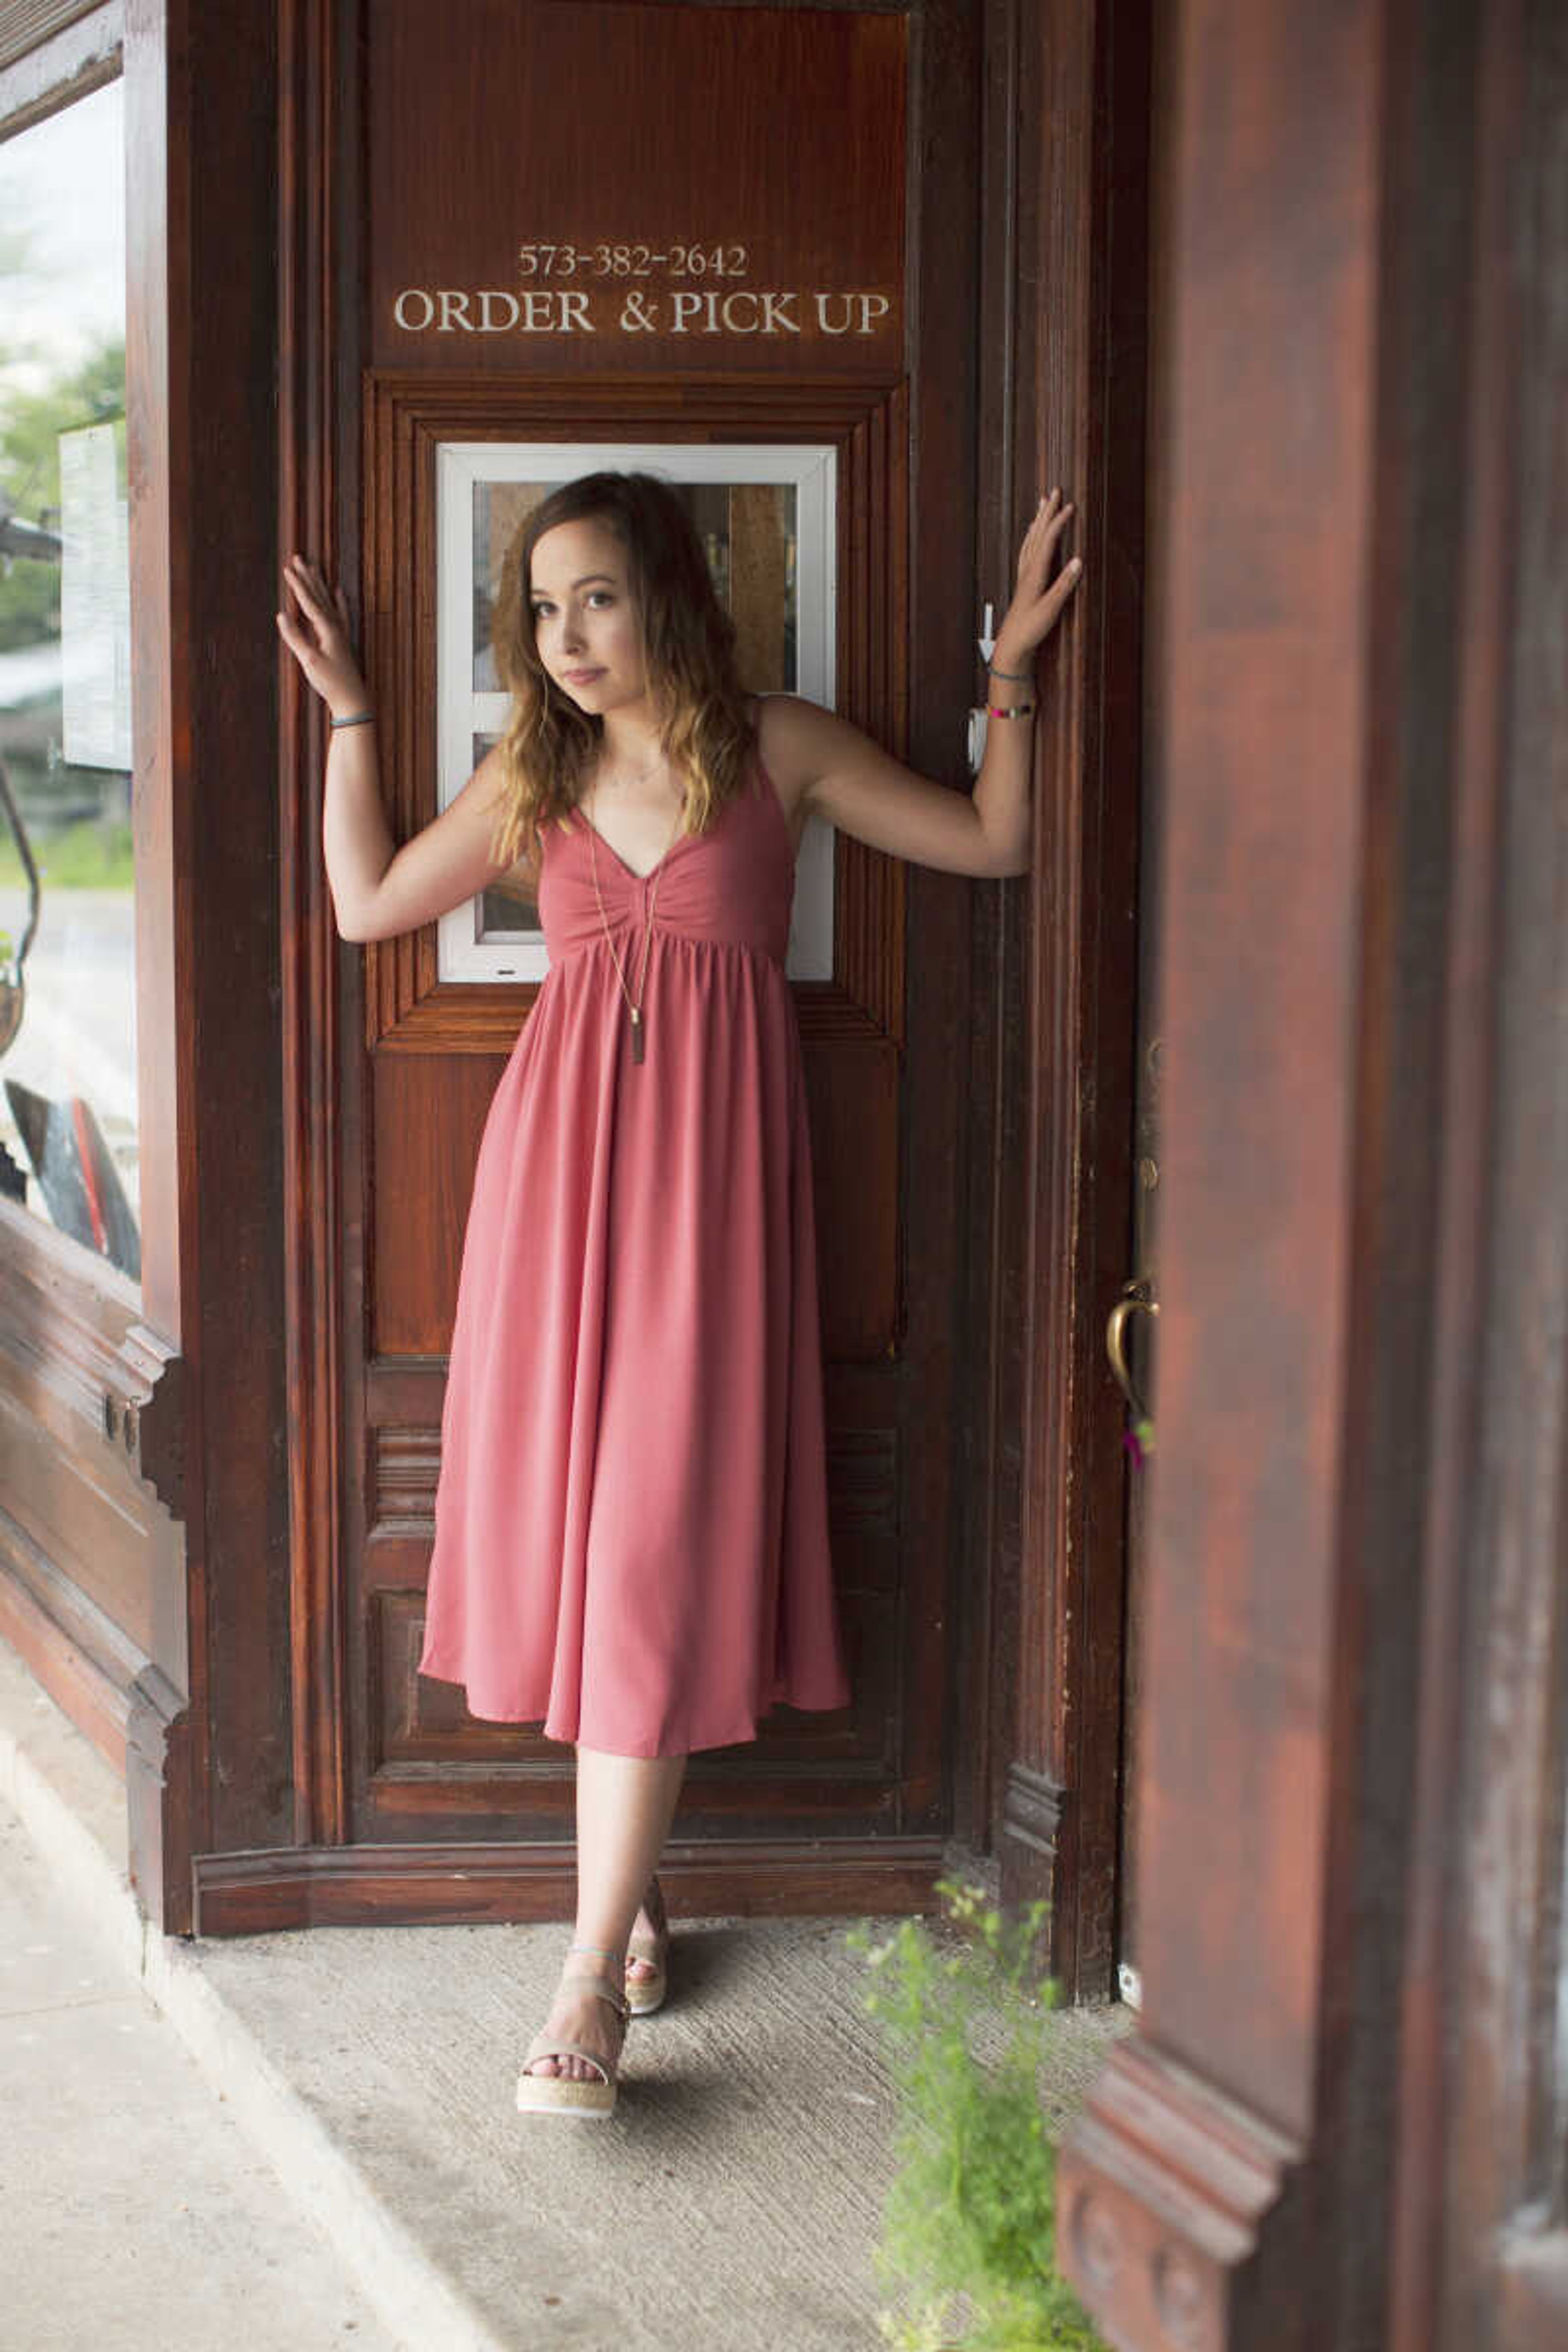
{"points": [[593, 1959]]}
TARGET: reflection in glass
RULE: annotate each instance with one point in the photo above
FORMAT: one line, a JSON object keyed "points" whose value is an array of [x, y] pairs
{"points": [[67, 996], [748, 533], [508, 908]]}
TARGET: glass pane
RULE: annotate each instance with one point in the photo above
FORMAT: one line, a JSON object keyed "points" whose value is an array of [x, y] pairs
{"points": [[508, 908], [748, 529], [68, 979]]}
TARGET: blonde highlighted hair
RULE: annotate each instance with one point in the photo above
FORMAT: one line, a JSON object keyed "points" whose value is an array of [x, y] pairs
{"points": [[548, 744]]}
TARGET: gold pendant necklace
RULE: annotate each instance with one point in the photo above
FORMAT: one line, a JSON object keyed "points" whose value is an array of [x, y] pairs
{"points": [[638, 1028]]}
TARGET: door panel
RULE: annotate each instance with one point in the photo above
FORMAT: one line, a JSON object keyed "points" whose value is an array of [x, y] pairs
{"points": [[766, 295]]}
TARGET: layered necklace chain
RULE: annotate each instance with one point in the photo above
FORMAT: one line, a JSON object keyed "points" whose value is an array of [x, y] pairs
{"points": [[635, 1004]]}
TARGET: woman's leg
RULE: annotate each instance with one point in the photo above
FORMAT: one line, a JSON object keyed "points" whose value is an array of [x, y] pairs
{"points": [[624, 1807]]}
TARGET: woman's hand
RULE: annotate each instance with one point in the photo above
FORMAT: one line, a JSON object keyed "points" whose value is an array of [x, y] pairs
{"points": [[1037, 600], [319, 639]]}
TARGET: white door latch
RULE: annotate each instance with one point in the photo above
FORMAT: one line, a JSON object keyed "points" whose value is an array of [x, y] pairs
{"points": [[987, 640], [975, 745]]}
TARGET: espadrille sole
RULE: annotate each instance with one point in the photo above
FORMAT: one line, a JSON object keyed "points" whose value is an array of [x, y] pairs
{"points": [[562, 2094], [558, 2094]]}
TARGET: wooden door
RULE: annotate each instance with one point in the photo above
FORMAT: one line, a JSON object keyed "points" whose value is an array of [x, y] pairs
{"points": [[669, 226]]}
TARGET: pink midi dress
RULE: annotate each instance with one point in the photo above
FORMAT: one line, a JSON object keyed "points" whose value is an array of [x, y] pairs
{"points": [[631, 1514]]}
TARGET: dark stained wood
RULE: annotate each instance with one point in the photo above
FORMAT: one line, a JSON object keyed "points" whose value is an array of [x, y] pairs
{"points": [[889, 1451], [529, 1879], [1343, 2120], [1484, 2140], [778, 131], [1076, 396], [994, 1301], [318, 152], [429, 1114], [932, 1201], [1194, 2130], [852, 1097], [202, 353]]}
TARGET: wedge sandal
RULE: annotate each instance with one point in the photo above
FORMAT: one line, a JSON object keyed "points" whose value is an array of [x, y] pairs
{"points": [[562, 2095], [645, 1994]]}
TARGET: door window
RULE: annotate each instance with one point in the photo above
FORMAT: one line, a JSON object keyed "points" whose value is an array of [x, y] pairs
{"points": [[766, 517]]}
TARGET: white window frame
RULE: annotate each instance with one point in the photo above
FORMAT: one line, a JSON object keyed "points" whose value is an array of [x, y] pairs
{"points": [[463, 711]]}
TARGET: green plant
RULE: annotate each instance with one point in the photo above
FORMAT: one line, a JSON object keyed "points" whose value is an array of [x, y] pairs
{"points": [[970, 2217], [94, 855]]}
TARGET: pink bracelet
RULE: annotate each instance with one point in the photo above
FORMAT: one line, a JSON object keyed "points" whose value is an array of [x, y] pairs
{"points": [[1018, 710]]}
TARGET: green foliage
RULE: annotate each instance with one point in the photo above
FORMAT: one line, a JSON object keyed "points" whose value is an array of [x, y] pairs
{"points": [[96, 855], [970, 2218]]}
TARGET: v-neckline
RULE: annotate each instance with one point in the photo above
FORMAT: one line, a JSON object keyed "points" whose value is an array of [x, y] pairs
{"points": [[579, 810]]}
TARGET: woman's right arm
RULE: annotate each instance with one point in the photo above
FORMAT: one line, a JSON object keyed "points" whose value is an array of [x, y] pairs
{"points": [[379, 891]]}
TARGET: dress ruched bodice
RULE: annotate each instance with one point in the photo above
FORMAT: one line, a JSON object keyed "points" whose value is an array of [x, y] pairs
{"points": [[733, 884]]}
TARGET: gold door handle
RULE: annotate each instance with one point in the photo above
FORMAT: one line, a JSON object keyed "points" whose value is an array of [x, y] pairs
{"points": [[1137, 1298]]}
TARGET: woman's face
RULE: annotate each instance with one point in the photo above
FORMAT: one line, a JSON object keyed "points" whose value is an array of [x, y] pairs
{"points": [[585, 625]]}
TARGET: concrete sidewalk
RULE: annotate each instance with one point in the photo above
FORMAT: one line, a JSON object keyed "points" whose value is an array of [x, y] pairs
{"points": [[354, 2144], [129, 2190]]}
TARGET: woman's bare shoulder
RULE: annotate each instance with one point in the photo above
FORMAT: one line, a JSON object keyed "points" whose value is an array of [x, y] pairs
{"points": [[787, 734]]}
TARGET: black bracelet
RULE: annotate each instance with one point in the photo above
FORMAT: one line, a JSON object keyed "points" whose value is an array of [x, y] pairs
{"points": [[1020, 676], [355, 719]]}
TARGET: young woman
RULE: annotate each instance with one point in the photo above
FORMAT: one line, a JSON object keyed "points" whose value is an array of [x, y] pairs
{"points": [[631, 1522]]}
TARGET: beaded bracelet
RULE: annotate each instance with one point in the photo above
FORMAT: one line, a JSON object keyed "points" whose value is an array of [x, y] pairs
{"points": [[355, 719], [1018, 710]]}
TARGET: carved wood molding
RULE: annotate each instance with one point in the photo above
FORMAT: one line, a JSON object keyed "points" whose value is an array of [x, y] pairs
{"points": [[1032, 1810], [159, 1737], [81, 1360], [87, 1662], [406, 415], [1161, 2207], [459, 1882]]}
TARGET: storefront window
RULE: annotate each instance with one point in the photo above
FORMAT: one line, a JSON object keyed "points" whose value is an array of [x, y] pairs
{"points": [[68, 979]]}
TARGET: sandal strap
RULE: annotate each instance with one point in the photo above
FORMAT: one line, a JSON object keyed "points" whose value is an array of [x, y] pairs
{"points": [[543, 2048], [601, 1988]]}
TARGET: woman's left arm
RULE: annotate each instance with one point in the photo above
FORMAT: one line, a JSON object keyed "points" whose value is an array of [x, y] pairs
{"points": [[841, 775]]}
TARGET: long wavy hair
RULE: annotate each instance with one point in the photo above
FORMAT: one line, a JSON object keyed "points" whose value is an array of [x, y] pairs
{"points": [[548, 744]]}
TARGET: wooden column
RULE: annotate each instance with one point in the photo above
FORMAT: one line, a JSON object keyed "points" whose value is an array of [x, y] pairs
{"points": [[1341, 2122]]}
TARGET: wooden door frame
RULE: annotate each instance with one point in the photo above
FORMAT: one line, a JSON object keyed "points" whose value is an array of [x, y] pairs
{"points": [[322, 199], [1064, 304]]}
